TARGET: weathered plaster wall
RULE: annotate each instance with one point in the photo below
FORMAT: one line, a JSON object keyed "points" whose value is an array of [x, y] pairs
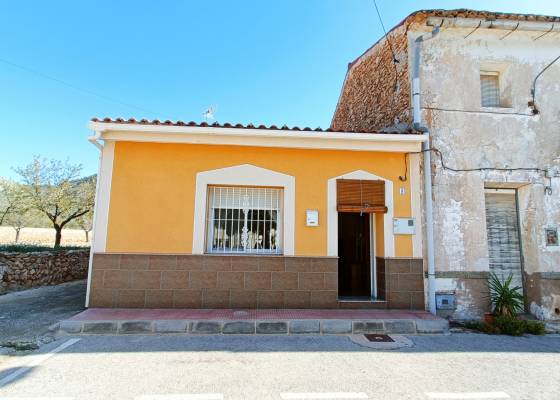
{"points": [[374, 92], [471, 136]]}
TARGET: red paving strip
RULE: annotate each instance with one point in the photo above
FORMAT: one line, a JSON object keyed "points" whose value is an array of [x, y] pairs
{"points": [[117, 314]]}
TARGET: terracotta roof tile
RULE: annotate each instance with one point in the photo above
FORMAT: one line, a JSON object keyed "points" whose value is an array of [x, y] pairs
{"points": [[225, 125]]}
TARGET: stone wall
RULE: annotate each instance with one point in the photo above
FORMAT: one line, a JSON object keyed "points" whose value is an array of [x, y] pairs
{"points": [[27, 270], [376, 90], [213, 281]]}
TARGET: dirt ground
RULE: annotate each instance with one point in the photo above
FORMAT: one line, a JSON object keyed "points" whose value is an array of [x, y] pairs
{"points": [[43, 236]]}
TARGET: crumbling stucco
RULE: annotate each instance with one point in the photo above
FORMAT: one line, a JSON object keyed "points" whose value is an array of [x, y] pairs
{"points": [[469, 136]]}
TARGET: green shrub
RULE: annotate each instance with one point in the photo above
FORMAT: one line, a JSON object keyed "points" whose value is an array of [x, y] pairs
{"points": [[475, 325], [534, 327], [28, 248], [506, 300], [506, 325]]}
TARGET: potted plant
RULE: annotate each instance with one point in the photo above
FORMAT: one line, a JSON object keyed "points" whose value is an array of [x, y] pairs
{"points": [[505, 300]]}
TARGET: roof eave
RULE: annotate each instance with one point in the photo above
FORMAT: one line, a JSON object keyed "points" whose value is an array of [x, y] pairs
{"points": [[259, 137]]}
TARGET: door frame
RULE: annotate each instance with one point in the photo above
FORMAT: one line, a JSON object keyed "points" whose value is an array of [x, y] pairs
{"points": [[372, 261], [515, 192], [372, 257]]}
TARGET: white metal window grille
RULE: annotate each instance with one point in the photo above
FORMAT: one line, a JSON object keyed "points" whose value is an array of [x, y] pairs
{"points": [[244, 220], [490, 89]]}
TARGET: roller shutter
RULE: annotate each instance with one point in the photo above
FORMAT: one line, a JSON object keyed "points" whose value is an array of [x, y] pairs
{"points": [[355, 195], [503, 235]]}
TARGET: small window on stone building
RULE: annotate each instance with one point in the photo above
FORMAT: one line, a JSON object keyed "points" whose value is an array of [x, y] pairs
{"points": [[490, 89]]}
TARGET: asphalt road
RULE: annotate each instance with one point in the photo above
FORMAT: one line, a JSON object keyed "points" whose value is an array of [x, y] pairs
{"points": [[27, 315], [473, 366]]}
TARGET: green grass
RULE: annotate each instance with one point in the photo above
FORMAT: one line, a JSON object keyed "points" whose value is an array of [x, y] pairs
{"points": [[28, 248]]}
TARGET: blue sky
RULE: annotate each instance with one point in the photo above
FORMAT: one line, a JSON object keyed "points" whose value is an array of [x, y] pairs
{"points": [[271, 62]]}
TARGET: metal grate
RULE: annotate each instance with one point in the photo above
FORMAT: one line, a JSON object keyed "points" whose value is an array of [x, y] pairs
{"points": [[244, 220], [378, 337], [490, 89]]}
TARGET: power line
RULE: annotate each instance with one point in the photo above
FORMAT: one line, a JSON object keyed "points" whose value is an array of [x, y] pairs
{"points": [[444, 166], [385, 32], [77, 88]]}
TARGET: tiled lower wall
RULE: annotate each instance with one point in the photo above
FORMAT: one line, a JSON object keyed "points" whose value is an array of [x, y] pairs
{"points": [[401, 282], [213, 281], [222, 281]]}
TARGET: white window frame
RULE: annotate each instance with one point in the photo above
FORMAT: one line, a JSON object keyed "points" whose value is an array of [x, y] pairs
{"points": [[244, 175], [210, 221]]}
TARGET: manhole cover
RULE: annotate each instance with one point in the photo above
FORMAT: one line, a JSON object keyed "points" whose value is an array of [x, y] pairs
{"points": [[376, 337], [240, 313]]}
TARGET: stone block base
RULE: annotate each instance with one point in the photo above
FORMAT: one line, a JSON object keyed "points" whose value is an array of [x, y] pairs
{"points": [[213, 281]]}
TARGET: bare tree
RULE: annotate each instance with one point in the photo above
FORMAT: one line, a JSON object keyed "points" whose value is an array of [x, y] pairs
{"points": [[53, 187]]}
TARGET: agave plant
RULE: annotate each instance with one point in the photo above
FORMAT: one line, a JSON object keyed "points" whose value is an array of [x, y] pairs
{"points": [[506, 300]]}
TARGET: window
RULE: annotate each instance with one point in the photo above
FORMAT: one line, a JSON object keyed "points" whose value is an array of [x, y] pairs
{"points": [[490, 89], [244, 220]]}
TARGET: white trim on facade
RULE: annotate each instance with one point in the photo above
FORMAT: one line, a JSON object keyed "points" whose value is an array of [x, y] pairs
{"points": [[415, 203], [372, 256], [101, 215], [259, 137], [101, 206], [244, 175], [332, 213]]}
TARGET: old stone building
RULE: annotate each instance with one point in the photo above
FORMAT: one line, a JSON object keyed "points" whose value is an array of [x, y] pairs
{"points": [[490, 96]]}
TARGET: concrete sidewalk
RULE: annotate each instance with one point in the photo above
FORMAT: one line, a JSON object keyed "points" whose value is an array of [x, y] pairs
{"points": [[281, 321]]}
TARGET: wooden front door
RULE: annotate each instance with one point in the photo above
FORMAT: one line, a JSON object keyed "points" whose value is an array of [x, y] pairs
{"points": [[354, 257]]}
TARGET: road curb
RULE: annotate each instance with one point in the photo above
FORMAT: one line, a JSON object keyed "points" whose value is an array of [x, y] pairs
{"points": [[251, 327]]}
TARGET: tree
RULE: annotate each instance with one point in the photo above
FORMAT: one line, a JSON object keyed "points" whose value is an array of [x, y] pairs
{"points": [[85, 223], [54, 188], [16, 209], [18, 220], [9, 198]]}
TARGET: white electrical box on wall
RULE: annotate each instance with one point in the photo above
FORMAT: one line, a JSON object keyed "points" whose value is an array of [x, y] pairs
{"points": [[312, 218], [404, 226]]}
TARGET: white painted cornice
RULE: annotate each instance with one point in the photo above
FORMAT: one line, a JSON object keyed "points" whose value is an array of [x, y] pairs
{"points": [[258, 137]]}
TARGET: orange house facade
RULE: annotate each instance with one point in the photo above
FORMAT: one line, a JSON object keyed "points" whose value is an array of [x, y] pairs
{"points": [[219, 216]]}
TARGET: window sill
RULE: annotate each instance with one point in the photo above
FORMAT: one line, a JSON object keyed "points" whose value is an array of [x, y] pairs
{"points": [[498, 109]]}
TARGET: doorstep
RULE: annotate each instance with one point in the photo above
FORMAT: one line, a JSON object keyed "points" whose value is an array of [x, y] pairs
{"points": [[229, 321]]}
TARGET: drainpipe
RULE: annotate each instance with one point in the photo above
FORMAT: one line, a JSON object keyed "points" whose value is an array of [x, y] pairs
{"points": [[427, 167], [95, 141]]}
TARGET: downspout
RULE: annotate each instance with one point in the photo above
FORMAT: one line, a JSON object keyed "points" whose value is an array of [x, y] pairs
{"points": [[427, 167], [95, 141]]}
